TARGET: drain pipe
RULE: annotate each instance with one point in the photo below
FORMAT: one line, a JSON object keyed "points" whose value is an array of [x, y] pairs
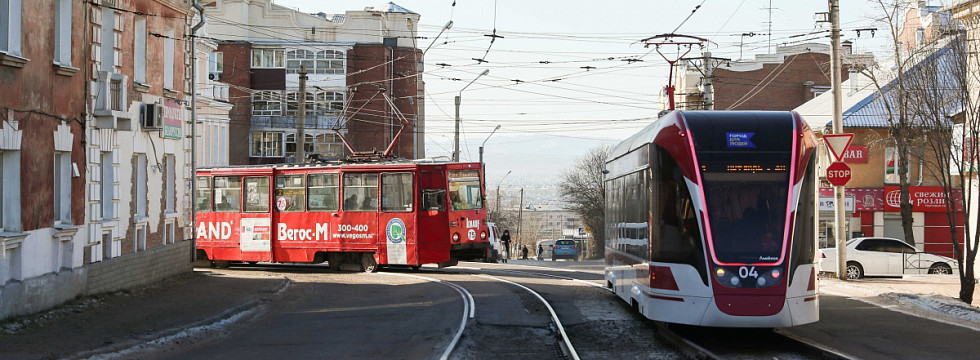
{"points": [[193, 204]]}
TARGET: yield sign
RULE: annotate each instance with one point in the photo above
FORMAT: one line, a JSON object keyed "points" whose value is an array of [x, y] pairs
{"points": [[837, 144]]}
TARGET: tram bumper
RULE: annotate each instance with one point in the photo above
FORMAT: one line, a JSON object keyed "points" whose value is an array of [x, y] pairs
{"points": [[792, 312]]}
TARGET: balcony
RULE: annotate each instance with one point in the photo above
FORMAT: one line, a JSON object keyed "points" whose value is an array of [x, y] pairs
{"points": [[214, 89], [289, 122], [111, 102]]}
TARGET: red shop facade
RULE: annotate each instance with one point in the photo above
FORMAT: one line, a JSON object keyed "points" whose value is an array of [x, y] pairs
{"points": [[875, 212]]}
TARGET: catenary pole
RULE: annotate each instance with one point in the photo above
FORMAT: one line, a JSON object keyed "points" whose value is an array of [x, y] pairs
{"points": [[194, 129]]}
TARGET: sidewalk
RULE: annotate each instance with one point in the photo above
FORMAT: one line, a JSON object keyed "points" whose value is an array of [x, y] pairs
{"points": [[187, 308], [916, 317]]}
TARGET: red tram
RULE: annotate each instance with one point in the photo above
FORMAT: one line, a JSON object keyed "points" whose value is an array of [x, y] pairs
{"points": [[710, 219], [356, 214]]}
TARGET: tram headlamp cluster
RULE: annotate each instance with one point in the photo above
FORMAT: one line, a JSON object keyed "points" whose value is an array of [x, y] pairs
{"points": [[483, 235], [455, 236], [748, 276]]}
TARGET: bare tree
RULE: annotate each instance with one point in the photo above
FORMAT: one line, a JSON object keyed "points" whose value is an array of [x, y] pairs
{"points": [[893, 96], [950, 110], [582, 188]]}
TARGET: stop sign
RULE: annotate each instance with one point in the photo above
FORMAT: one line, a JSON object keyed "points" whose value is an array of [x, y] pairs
{"points": [[838, 173]]}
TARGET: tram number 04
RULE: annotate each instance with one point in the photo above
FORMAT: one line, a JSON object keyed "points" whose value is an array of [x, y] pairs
{"points": [[744, 272], [348, 227]]}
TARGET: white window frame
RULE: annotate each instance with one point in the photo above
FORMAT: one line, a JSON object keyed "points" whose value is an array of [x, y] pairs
{"points": [[267, 103], [10, 27], [140, 186], [318, 103], [168, 59], [139, 51], [216, 62], [62, 32], [317, 62], [10, 198], [268, 58], [170, 180], [106, 187], [267, 145], [62, 187]]}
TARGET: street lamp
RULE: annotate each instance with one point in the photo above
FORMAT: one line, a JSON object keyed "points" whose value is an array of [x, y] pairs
{"points": [[456, 142], [449, 25], [485, 142]]}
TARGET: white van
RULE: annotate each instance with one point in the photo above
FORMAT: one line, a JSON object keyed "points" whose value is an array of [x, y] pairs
{"points": [[494, 252]]}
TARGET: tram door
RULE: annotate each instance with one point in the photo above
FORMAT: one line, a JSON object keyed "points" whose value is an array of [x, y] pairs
{"points": [[358, 229], [255, 227], [397, 218], [433, 217]]}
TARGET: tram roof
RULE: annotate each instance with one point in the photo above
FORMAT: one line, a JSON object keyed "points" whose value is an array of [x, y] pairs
{"points": [[333, 164]]}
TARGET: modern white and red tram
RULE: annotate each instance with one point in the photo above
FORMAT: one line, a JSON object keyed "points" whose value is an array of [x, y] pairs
{"points": [[710, 219], [362, 214]]}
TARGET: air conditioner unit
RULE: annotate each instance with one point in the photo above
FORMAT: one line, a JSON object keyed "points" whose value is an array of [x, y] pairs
{"points": [[151, 116], [214, 76]]}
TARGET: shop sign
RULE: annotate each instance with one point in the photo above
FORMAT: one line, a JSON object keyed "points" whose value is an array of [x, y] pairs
{"points": [[865, 199], [827, 204], [856, 154], [923, 198], [172, 119]]}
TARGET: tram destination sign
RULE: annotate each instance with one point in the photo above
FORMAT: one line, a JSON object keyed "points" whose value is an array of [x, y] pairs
{"points": [[838, 173]]}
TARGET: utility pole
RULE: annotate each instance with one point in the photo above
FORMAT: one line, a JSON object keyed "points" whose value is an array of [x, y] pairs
{"points": [[301, 118], [520, 216], [835, 69], [706, 65], [194, 30]]}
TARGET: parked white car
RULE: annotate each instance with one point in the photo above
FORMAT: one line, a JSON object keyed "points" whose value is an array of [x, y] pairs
{"points": [[879, 256]]}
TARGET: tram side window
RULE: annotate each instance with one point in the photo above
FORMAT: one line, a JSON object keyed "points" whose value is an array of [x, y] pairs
{"points": [[203, 201], [324, 192], [396, 192], [227, 193], [292, 188], [804, 246], [257, 194], [361, 192], [678, 238]]}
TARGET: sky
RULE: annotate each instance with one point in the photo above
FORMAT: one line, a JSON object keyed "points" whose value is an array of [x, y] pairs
{"points": [[559, 80]]}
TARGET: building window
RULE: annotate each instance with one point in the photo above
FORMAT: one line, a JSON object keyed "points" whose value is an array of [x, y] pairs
{"points": [[10, 191], [216, 62], [291, 146], [267, 103], [267, 58], [108, 177], [10, 18], [140, 185], [170, 163], [168, 60], [267, 144], [62, 187], [62, 33], [891, 165], [317, 62], [322, 103], [139, 51]]}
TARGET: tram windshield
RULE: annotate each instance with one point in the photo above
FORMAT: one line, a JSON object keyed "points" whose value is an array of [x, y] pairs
{"points": [[746, 202], [464, 190]]}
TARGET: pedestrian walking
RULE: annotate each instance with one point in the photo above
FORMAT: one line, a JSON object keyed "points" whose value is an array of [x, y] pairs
{"points": [[524, 253], [505, 241], [540, 252]]}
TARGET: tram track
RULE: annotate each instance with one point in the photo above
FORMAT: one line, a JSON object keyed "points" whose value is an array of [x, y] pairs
{"points": [[742, 343]]}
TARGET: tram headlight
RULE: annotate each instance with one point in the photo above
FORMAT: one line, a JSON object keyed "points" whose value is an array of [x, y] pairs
{"points": [[761, 281], [734, 280], [775, 273], [483, 235], [455, 236], [720, 272]]}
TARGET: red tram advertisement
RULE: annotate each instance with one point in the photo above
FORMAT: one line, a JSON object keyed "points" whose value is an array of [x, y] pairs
{"points": [[361, 215], [710, 219]]}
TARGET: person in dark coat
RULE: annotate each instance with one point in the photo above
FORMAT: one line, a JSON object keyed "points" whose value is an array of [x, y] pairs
{"points": [[505, 242], [540, 252], [524, 253]]}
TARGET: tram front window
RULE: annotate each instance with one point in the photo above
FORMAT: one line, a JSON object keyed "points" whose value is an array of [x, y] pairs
{"points": [[464, 190], [746, 202]]}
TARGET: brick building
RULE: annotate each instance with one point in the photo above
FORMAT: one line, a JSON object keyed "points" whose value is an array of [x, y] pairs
{"points": [[360, 83], [791, 76], [95, 164]]}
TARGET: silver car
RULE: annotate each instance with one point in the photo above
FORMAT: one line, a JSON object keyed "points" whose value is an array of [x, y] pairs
{"points": [[880, 256]]}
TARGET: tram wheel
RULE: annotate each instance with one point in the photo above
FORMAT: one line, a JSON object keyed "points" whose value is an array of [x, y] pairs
{"points": [[416, 267], [334, 260], [222, 264], [368, 263]]}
